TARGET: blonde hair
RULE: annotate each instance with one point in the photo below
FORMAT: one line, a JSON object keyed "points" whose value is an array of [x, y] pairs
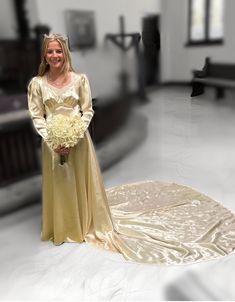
{"points": [[67, 65]]}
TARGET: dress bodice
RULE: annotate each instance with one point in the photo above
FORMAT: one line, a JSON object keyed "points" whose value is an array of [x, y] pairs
{"points": [[61, 100], [45, 100]]}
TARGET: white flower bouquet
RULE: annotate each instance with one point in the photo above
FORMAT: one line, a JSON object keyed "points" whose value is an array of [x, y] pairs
{"points": [[64, 131]]}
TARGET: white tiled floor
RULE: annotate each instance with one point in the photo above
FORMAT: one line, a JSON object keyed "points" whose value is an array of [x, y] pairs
{"points": [[190, 142]]}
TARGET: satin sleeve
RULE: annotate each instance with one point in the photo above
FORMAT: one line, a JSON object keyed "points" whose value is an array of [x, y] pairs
{"points": [[85, 100], [36, 108]]}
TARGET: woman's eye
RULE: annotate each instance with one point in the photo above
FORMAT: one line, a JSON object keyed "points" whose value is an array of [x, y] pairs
{"points": [[58, 51]]}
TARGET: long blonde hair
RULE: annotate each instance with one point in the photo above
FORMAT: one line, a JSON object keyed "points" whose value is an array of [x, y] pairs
{"points": [[67, 65]]}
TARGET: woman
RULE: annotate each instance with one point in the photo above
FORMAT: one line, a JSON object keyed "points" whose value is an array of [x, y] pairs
{"points": [[150, 222], [72, 192]]}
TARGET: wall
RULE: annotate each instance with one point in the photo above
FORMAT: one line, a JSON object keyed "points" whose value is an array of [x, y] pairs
{"points": [[32, 14], [178, 60], [104, 63], [8, 26]]}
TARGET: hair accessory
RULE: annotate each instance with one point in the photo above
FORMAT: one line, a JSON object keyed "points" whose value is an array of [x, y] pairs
{"points": [[55, 36]]}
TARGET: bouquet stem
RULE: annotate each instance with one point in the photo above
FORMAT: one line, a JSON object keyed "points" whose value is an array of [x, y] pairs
{"points": [[62, 159]]}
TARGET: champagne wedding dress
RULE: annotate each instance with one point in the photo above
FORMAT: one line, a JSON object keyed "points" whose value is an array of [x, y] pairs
{"points": [[151, 222]]}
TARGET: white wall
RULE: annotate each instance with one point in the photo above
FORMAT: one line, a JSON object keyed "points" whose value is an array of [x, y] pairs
{"points": [[8, 26], [32, 14], [8, 23], [103, 64], [178, 60], [107, 13]]}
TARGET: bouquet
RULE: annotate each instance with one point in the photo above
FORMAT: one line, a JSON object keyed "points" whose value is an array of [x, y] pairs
{"points": [[64, 131]]}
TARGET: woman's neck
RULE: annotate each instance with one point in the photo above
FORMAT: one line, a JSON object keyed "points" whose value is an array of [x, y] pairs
{"points": [[58, 78], [55, 73]]}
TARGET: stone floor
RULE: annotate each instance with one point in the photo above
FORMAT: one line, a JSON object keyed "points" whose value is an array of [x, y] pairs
{"points": [[189, 141]]}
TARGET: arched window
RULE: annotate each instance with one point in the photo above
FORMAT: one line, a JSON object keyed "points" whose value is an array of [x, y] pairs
{"points": [[206, 22]]}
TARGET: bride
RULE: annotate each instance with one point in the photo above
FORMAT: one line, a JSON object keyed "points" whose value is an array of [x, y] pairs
{"points": [[151, 222]]}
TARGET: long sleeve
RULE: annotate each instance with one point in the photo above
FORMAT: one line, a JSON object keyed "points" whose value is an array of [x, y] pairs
{"points": [[36, 108], [85, 100]]}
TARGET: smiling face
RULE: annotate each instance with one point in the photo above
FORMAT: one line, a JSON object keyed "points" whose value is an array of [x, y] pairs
{"points": [[54, 55]]}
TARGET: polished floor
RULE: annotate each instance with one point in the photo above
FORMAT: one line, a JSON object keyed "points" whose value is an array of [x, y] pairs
{"points": [[189, 141]]}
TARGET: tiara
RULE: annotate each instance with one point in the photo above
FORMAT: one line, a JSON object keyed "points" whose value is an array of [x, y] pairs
{"points": [[55, 36]]}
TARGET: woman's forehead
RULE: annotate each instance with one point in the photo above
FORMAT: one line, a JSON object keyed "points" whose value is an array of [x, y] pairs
{"points": [[54, 44]]}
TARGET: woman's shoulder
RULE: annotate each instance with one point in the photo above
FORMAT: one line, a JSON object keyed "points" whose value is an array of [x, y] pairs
{"points": [[36, 80], [81, 77]]}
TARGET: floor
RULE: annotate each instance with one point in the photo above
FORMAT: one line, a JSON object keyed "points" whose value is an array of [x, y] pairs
{"points": [[189, 141]]}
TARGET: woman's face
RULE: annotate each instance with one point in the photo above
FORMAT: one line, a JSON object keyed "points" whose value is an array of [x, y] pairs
{"points": [[54, 55]]}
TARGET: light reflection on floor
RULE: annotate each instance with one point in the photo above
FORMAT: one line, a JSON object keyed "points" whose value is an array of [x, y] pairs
{"points": [[190, 142]]}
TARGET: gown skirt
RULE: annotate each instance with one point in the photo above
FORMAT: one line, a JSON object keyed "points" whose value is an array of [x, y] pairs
{"points": [[149, 222]]}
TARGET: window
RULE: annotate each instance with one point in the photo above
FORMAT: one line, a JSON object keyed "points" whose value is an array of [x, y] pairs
{"points": [[206, 22]]}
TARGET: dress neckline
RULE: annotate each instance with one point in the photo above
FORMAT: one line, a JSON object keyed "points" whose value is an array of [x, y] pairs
{"points": [[61, 88]]}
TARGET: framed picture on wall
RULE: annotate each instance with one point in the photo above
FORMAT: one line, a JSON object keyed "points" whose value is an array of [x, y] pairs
{"points": [[80, 27]]}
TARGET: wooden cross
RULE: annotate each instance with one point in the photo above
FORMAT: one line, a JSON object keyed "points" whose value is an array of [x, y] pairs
{"points": [[120, 41], [120, 38]]}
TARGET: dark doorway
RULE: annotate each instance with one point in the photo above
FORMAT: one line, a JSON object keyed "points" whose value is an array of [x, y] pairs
{"points": [[151, 45]]}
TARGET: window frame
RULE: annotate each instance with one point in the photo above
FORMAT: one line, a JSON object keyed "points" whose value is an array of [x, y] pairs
{"points": [[207, 40]]}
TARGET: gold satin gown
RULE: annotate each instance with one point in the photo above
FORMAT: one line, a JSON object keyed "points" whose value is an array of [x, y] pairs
{"points": [[150, 222]]}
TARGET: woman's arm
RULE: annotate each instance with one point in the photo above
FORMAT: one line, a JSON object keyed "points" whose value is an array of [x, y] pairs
{"points": [[85, 100], [36, 107]]}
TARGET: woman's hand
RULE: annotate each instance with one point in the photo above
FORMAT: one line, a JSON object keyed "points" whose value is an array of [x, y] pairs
{"points": [[62, 150]]}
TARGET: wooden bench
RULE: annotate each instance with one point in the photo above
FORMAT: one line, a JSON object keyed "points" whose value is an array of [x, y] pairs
{"points": [[218, 75]]}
